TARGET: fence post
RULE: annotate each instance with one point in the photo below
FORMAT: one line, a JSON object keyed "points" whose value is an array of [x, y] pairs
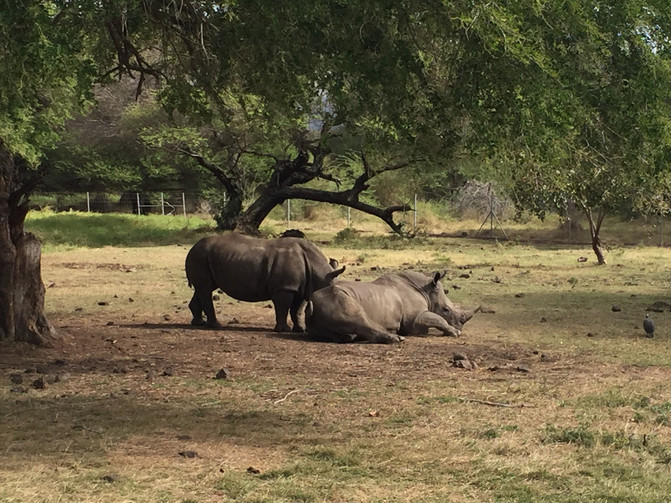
{"points": [[162, 205], [88, 202], [139, 210], [288, 213], [414, 221], [184, 205]]}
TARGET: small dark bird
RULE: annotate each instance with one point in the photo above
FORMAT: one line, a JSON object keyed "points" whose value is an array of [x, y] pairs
{"points": [[649, 326]]}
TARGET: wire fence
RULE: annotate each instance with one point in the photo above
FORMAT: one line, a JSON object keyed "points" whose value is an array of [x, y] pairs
{"points": [[493, 213], [139, 203]]}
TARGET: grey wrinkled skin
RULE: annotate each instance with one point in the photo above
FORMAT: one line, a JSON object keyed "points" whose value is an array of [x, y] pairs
{"points": [[286, 271], [385, 310]]}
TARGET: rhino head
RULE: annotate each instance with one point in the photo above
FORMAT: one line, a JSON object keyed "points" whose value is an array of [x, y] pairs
{"points": [[444, 307]]}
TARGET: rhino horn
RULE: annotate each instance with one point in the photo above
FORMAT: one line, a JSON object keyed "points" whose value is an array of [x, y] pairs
{"points": [[467, 315], [336, 273]]}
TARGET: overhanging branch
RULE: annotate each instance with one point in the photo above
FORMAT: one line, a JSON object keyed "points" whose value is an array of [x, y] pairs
{"points": [[345, 198]]}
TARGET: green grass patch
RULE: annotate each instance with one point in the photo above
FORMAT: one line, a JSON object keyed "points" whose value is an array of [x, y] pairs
{"points": [[94, 230]]}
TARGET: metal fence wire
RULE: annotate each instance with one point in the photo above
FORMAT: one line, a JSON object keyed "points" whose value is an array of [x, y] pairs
{"points": [[139, 203]]}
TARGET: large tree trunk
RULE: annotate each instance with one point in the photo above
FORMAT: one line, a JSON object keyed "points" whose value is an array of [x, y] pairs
{"points": [[250, 220], [22, 316]]}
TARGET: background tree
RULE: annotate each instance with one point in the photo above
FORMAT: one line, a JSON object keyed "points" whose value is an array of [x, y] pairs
{"points": [[590, 125], [45, 76]]}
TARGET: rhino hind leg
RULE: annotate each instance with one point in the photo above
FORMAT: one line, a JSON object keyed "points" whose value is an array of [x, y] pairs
{"points": [[202, 302], [295, 311], [282, 301], [196, 308]]}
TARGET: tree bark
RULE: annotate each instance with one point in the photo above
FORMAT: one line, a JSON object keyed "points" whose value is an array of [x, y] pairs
{"points": [[22, 316], [594, 230]]}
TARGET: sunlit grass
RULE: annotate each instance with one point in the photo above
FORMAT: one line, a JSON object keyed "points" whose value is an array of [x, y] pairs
{"points": [[70, 230]]}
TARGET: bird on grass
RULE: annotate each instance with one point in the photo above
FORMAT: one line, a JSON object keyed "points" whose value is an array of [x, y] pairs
{"points": [[649, 326]]}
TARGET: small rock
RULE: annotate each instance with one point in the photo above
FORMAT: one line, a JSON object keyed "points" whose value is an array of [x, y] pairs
{"points": [[59, 362], [544, 320], [465, 364], [216, 297], [223, 373], [459, 356], [496, 279], [111, 478], [188, 454], [167, 372], [166, 317], [77, 309], [40, 383], [116, 296], [465, 275], [16, 378], [659, 306], [18, 389], [63, 377], [251, 469], [590, 334], [373, 413], [487, 310], [582, 259], [456, 287], [522, 368], [103, 303], [130, 299], [519, 295], [183, 437], [41, 369], [110, 323], [233, 321], [616, 308], [220, 291]]}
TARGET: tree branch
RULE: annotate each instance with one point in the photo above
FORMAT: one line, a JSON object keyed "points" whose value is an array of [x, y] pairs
{"points": [[219, 173]]}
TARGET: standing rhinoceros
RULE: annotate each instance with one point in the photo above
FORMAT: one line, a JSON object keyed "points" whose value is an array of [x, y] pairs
{"points": [[286, 271], [383, 311]]}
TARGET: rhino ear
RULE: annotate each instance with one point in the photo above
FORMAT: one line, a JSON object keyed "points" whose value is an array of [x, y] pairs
{"points": [[438, 276], [334, 263], [336, 273]]}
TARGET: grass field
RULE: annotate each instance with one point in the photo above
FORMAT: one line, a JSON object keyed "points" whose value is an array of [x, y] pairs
{"points": [[569, 403]]}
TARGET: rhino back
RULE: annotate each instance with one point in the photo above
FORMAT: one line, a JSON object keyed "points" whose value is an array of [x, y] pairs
{"points": [[382, 304], [246, 268]]}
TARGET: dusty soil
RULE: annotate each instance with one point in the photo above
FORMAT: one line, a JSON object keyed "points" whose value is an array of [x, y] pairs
{"points": [[246, 347]]}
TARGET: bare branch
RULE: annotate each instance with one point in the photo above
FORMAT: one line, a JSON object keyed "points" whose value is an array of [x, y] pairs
{"points": [[212, 168]]}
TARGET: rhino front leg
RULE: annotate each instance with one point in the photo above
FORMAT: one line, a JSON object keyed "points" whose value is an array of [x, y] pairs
{"points": [[282, 301], [428, 320]]}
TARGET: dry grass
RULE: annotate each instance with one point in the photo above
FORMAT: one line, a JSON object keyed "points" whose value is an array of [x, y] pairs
{"points": [[590, 416]]}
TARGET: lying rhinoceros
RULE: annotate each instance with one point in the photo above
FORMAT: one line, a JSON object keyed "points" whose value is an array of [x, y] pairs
{"points": [[286, 271], [383, 311]]}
